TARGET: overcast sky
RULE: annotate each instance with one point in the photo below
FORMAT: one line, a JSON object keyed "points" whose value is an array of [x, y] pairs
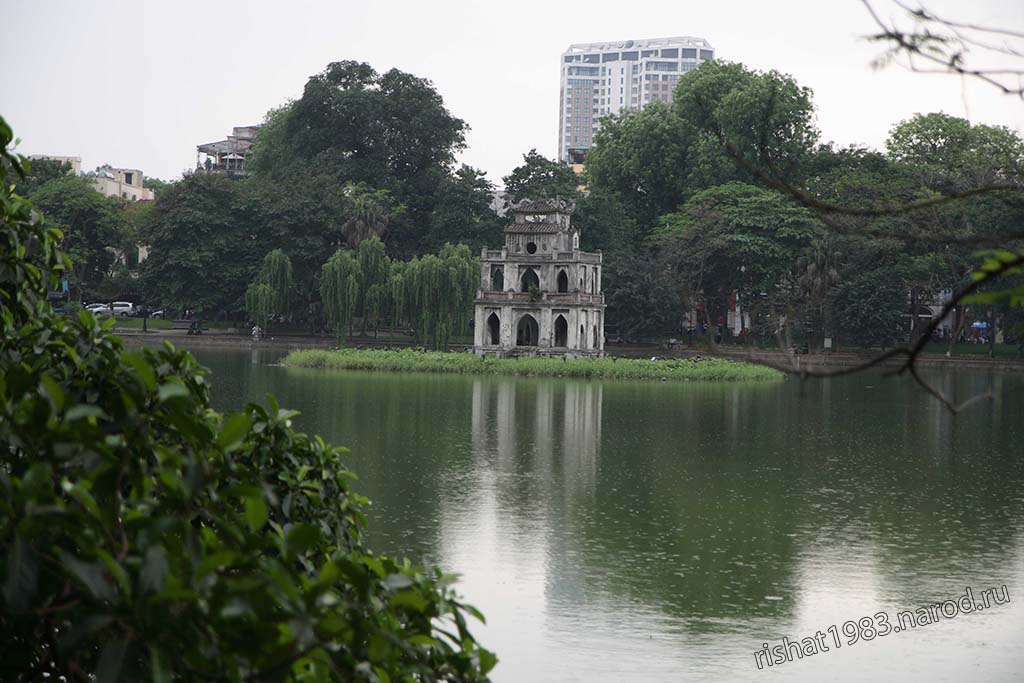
{"points": [[139, 84]]}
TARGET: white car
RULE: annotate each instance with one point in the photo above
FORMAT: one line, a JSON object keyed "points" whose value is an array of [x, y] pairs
{"points": [[118, 308], [123, 308]]}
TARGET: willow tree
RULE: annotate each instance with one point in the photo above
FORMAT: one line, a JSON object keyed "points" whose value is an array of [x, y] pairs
{"points": [[340, 286], [269, 294], [398, 279], [374, 269], [439, 292], [259, 303]]}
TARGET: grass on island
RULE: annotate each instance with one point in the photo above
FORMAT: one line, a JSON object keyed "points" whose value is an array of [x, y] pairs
{"points": [[410, 360]]}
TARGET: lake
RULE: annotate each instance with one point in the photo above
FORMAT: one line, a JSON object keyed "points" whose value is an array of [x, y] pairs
{"points": [[628, 531]]}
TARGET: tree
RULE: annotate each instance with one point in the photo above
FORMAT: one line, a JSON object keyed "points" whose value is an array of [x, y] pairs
{"points": [[157, 185], [91, 224], [463, 213], [38, 172], [146, 536], [340, 289], [539, 177], [269, 294], [439, 292], [740, 238], [205, 240], [374, 269], [386, 131], [762, 120], [369, 215], [642, 158]]}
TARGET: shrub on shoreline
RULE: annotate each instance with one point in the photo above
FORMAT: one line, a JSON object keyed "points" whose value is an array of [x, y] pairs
{"points": [[410, 360]]}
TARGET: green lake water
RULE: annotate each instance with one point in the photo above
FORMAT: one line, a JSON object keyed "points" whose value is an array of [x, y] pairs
{"points": [[627, 531]]}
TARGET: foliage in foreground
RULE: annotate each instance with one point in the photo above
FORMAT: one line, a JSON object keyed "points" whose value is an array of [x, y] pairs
{"points": [[409, 360], [144, 536]]}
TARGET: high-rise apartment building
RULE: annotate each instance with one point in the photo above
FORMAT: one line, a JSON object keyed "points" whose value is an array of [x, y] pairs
{"points": [[604, 78]]}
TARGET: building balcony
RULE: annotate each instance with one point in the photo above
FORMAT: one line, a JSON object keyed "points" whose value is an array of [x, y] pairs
{"points": [[547, 298], [501, 255]]}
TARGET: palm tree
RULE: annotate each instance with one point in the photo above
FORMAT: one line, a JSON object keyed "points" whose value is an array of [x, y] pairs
{"points": [[368, 219], [819, 272]]}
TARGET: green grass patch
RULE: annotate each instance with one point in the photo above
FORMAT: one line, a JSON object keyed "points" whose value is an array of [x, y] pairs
{"points": [[136, 324], [409, 360]]}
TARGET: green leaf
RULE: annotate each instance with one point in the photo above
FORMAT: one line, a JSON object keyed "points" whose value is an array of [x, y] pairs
{"points": [[52, 389], [22, 575], [159, 666], [170, 391], [77, 412], [142, 368], [108, 670], [256, 511], [302, 537], [397, 581], [89, 574], [233, 431], [487, 660]]}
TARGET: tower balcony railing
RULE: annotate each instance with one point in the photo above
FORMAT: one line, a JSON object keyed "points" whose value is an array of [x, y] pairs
{"points": [[570, 256], [489, 296]]}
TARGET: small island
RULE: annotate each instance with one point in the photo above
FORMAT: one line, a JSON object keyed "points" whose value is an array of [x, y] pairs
{"points": [[411, 360]]}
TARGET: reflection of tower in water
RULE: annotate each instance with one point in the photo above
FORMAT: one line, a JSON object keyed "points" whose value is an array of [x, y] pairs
{"points": [[548, 429]]}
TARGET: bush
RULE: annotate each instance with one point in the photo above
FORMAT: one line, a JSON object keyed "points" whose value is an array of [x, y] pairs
{"points": [[144, 536]]}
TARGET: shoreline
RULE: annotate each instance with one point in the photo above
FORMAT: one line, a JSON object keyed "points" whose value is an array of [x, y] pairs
{"points": [[764, 357]]}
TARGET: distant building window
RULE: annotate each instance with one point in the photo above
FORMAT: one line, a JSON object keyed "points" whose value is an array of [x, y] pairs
{"points": [[673, 52], [707, 54], [649, 53], [128, 178], [592, 59], [689, 53], [630, 56], [610, 57]]}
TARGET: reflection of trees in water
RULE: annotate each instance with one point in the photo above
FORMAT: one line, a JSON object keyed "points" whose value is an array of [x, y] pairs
{"points": [[756, 491], [697, 500]]}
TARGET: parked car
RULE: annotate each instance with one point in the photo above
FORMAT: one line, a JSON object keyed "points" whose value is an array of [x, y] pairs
{"points": [[123, 308], [98, 308], [157, 314]]}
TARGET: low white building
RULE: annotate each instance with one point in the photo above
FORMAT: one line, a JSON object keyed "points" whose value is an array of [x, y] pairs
{"points": [[126, 183]]}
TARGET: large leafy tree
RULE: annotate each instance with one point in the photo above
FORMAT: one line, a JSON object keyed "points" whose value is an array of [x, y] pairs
{"points": [[205, 245], [463, 213], [539, 177], [642, 158], [388, 131], [38, 172], [92, 227], [740, 238], [763, 121]]}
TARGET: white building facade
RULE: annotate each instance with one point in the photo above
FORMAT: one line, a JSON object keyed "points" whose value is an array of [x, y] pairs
{"points": [[540, 295], [598, 79], [126, 183]]}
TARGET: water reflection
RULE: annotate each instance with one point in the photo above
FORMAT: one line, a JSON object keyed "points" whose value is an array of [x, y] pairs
{"points": [[661, 532]]}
